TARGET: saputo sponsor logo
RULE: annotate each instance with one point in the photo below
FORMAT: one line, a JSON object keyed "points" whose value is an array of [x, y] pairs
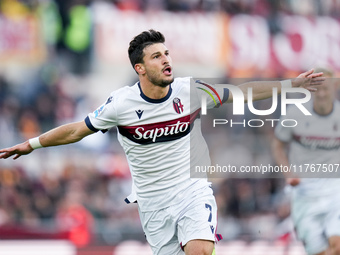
{"points": [[153, 134], [161, 131]]}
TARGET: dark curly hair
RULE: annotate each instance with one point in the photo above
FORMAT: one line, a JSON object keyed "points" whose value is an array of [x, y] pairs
{"points": [[141, 41]]}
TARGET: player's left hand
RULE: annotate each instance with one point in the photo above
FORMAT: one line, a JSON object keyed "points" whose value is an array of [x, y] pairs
{"points": [[308, 80], [16, 151]]}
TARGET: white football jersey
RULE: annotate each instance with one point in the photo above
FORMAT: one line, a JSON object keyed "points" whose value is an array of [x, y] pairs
{"points": [[154, 134], [315, 141]]}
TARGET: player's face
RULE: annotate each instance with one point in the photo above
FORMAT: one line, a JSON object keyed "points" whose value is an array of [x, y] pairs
{"points": [[325, 94], [157, 64]]}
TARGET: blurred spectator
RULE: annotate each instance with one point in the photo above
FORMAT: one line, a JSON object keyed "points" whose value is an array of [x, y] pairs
{"points": [[73, 217], [74, 47], [129, 5]]}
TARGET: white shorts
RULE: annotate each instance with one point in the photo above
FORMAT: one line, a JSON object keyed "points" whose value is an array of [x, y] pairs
{"points": [[168, 230], [316, 220]]}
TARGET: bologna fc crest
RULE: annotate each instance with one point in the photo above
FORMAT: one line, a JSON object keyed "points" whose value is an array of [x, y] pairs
{"points": [[178, 105]]}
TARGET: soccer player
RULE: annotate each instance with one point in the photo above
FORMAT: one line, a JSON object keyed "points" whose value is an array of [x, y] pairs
{"points": [[154, 118], [314, 142]]}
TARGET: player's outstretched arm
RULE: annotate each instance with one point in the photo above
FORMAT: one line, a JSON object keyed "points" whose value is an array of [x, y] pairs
{"points": [[264, 89], [65, 134]]}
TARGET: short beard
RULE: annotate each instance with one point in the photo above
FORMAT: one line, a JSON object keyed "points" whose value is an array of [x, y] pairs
{"points": [[162, 83]]}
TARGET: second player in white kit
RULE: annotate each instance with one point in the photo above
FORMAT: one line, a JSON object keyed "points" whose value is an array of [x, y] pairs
{"points": [[314, 143]]}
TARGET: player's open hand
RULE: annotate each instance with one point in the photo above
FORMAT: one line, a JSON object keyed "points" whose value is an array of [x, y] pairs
{"points": [[308, 80], [16, 151]]}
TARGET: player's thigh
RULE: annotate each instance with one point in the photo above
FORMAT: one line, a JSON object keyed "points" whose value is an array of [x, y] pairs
{"points": [[199, 247], [198, 222], [332, 222], [310, 230], [309, 219], [160, 231]]}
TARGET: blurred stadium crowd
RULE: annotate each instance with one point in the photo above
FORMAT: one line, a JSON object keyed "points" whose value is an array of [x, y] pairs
{"points": [[78, 191]]}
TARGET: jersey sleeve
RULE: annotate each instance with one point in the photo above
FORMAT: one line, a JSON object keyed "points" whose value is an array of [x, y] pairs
{"points": [[104, 117], [283, 133], [214, 95]]}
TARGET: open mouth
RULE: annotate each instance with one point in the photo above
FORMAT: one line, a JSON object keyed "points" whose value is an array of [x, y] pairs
{"points": [[167, 70]]}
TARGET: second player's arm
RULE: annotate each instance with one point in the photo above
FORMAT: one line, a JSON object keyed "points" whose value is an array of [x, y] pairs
{"points": [[279, 149]]}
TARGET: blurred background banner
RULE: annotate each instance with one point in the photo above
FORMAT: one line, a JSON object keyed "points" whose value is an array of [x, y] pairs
{"points": [[186, 34], [242, 44], [21, 41], [59, 60]]}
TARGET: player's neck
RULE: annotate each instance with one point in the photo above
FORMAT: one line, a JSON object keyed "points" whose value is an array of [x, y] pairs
{"points": [[153, 91]]}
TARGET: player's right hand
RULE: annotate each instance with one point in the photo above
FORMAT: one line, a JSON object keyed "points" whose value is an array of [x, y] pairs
{"points": [[293, 181], [16, 151]]}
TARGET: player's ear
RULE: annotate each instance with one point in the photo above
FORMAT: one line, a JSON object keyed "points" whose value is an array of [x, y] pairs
{"points": [[140, 69]]}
